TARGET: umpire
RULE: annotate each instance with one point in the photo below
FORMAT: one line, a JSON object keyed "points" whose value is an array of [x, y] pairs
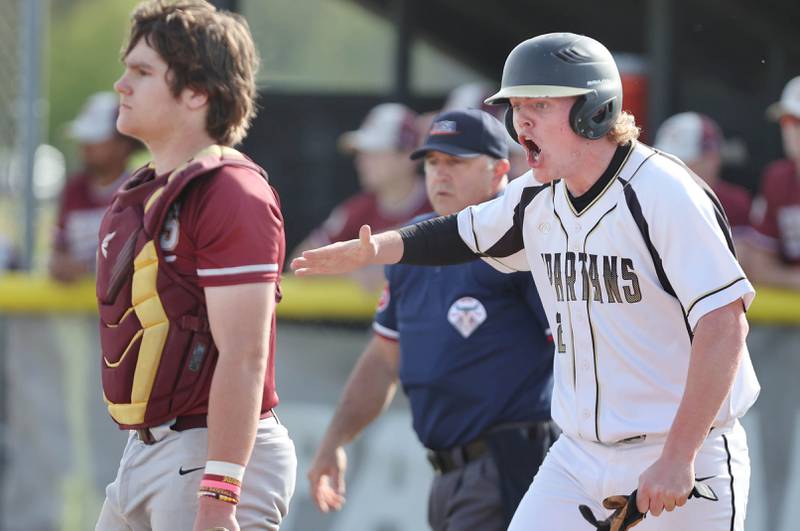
{"points": [[471, 348]]}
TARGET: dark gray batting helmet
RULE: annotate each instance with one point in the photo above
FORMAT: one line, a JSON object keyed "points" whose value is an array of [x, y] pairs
{"points": [[557, 65]]}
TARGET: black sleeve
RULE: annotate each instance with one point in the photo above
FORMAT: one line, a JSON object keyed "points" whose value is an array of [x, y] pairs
{"points": [[435, 242]]}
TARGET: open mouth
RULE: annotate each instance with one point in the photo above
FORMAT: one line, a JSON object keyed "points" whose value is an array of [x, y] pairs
{"points": [[532, 150]]}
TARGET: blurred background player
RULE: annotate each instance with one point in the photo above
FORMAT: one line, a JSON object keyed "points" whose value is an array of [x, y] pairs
{"points": [[697, 140], [772, 258], [105, 155], [392, 192], [775, 251], [470, 347]]}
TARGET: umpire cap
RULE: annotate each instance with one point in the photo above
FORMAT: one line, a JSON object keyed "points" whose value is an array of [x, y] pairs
{"points": [[465, 133]]}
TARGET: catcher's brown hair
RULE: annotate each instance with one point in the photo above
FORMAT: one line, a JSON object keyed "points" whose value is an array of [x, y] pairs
{"points": [[207, 50]]}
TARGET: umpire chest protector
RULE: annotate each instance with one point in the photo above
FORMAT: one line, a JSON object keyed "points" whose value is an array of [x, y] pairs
{"points": [[158, 355]]}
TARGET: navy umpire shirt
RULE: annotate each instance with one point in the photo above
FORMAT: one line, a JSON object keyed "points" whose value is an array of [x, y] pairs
{"points": [[475, 350]]}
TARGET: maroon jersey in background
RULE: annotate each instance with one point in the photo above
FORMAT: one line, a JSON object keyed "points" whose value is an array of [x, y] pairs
{"points": [[346, 219], [736, 201], [81, 209], [776, 212]]}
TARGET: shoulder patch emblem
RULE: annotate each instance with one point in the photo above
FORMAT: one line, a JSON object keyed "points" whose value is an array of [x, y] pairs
{"points": [[383, 302], [466, 315]]}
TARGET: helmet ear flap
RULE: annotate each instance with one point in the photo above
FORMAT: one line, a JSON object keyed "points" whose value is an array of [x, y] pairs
{"points": [[508, 120], [576, 118], [592, 118]]}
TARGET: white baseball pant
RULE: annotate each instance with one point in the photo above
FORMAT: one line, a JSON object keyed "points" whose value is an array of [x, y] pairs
{"points": [[582, 472]]}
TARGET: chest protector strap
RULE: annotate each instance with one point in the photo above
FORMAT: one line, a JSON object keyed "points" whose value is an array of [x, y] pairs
{"points": [[157, 352]]}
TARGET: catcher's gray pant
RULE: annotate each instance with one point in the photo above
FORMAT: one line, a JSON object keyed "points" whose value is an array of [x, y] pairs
{"points": [[582, 472], [156, 485]]}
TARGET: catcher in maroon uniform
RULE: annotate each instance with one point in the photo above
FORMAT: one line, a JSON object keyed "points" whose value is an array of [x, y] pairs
{"points": [[189, 264]]}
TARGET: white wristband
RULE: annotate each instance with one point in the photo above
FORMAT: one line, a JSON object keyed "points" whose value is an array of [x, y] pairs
{"points": [[223, 468]]}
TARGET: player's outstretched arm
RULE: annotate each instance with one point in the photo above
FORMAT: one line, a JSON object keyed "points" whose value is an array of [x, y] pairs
{"points": [[346, 257]]}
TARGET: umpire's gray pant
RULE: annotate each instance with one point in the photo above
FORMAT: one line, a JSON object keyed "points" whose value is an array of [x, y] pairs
{"points": [[467, 498]]}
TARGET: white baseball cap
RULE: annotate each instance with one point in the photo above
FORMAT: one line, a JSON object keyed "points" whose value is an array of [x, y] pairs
{"points": [[97, 121], [789, 103], [688, 135], [387, 127]]}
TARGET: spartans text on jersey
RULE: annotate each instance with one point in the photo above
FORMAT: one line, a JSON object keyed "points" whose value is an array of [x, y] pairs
{"points": [[603, 287]]}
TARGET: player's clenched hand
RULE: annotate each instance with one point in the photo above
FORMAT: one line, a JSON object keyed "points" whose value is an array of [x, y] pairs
{"points": [[338, 258], [326, 478], [213, 513], [665, 485]]}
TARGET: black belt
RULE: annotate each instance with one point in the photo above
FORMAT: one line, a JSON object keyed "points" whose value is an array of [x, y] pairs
{"points": [[186, 422], [444, 461]]}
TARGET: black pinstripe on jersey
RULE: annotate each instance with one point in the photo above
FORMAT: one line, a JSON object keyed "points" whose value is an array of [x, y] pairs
{"points": [[636, 211]]}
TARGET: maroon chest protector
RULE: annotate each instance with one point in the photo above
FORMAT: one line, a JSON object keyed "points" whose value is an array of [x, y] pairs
{"points": [[158, 355]]}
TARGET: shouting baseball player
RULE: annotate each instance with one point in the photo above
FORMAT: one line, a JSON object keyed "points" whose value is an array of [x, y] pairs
{"points": [[469, 346], [188, 270], [633, 259]]}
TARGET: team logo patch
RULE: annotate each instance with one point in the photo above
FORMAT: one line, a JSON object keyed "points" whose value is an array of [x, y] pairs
{"points": [[444, 127], [383, 302], [106, 241], [466, 315]]}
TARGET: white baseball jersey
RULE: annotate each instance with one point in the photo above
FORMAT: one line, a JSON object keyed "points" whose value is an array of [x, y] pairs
{"points": [[624, 283]]}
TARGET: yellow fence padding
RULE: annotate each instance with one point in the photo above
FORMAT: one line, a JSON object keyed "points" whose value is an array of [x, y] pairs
{"points": [[21, 293], [775, 306], [323, 298]]}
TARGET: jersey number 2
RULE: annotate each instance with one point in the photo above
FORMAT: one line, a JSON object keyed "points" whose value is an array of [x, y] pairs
{"points": [[560, 335]]}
